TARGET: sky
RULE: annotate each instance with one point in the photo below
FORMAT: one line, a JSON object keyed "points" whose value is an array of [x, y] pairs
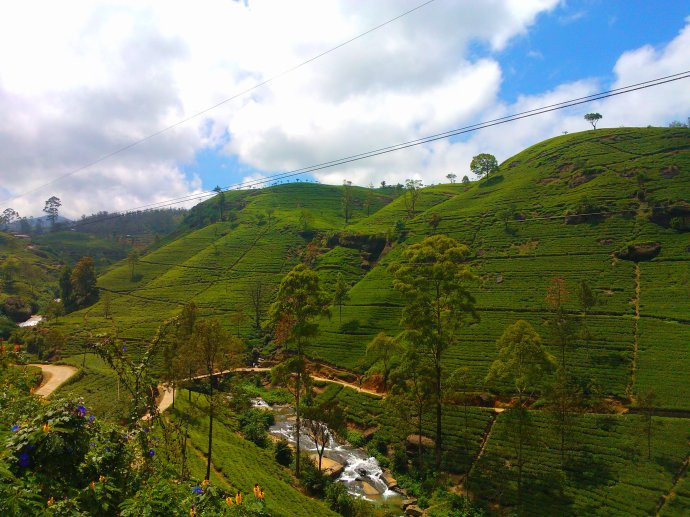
{"points": [[83, 79]]}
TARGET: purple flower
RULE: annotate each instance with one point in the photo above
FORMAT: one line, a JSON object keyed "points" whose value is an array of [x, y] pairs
{"points": [[107, 449], [15, 428], [198, 490], [146, 429], [81, 410], [93, 444], [24, 459], [151, 452], [92, 418], [124, 348]]}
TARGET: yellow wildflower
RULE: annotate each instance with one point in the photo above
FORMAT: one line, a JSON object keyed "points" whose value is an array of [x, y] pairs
{"points": [[101, 478], [46, 428], [51, 501], [192, 512], [92, 485], [205, 483], [228, 501]]}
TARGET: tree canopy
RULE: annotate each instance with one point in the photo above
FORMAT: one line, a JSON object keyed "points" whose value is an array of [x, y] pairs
{"points": [[484, 164]]}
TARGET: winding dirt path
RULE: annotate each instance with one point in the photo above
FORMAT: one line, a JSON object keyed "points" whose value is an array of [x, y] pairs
{"points": [[53, 376]]}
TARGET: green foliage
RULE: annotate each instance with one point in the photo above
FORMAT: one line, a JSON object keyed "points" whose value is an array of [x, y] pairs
{"points": [[254, 424], [484, 164], [283, 453]]}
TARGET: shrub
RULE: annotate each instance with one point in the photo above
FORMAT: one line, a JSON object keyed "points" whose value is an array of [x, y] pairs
{"points": [[254, 424], [349, 326], [16, 309], [340, 500], [313, 481], [283, 453], [7, 326]]}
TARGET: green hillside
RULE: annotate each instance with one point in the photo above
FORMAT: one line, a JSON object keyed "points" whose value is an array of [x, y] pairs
{"points": [[522, 226]]}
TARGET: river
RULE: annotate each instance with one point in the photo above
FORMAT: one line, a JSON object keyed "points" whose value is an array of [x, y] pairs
{"points": [[361, 474]]}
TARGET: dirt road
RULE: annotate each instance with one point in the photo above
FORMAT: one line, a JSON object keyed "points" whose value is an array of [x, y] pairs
{"points": [[53, 376]]}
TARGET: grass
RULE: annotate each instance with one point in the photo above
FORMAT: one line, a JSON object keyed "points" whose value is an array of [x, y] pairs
{"points": [[607, 472], [242, 464]]}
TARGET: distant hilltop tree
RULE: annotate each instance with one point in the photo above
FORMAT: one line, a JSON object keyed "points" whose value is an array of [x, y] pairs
{"points": [[51, 208], [451, 177], [593, 118], [484, 164]]}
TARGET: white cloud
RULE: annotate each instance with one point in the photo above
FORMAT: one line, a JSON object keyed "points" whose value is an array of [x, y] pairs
{"points": [[79, 80]]}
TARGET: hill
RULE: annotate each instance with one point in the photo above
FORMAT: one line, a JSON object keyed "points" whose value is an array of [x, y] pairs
{"points": [[606, 206], [524, 225]]}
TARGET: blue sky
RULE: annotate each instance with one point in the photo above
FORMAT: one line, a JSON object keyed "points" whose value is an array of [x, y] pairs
{"points": [[106, 73], [575, 41]]}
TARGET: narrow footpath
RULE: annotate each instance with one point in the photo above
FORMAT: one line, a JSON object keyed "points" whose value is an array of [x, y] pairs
{"points": [[54, 375]]}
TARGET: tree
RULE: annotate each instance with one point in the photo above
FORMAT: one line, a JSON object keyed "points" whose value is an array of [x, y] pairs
{"points": [[564, 400], [8, 216], [270, 211], [299, 301], [213, 351], [465, 180], [593, 118], [340, 294], [65, 284], [220, 195], [506, 213], [413, 384], [176, 363], [51, 208], [523, 361], [347, 200], [55, 309], [369, 199], [411, 194], [106, 299], [646, 402], [451, 177], [305, 219], [434, 221], [83, 280], [11, 269], [238, 317], [32, 275], [561, 323], [433, 280], [258, 291], [484, 164], [586, 296], [132, 261], [321, 422], [382, 350]]}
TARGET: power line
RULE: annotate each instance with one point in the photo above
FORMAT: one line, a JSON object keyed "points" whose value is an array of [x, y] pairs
{"points": [[411, 143], [221, 103]]}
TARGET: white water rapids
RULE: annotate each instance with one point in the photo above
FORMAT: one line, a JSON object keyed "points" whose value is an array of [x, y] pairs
{"points": [[359, 469]]}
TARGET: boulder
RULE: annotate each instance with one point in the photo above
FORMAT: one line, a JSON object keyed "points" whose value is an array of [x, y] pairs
{"points": [[414, 511], [329, 467], [639, 252], [389, 480], [413, 441], [407, 503], [369, 489]]}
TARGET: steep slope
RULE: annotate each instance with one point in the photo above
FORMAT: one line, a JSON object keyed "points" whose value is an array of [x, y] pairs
{"points": [[570, 207]]}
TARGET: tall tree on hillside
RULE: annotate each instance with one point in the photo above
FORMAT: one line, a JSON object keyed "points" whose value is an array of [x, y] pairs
{"points": [[258, 293], [522, 361], [177, 364], [83, 280], [411, 195], [593, 118], [65, 284], [564, 400], [586, 296], [484, 164], [322, 422], [51, 208], [433, 279], [299, 302], [220, 195], [382, 350], [413, 384], [561, 323], [465, 180], [646, 401], [213, 351], [9, 215], [369, 199], [451, 177], [340, 294], [238, 317], [434, 220], [132, 261], [347, 200]]}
